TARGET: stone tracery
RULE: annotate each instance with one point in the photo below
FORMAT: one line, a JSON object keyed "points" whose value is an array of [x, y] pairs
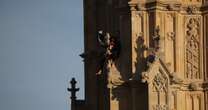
{"points": [[192, 49], [160, 83]]}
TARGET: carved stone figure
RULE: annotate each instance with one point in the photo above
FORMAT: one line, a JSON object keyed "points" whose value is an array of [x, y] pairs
{"points": [[110, 44]]}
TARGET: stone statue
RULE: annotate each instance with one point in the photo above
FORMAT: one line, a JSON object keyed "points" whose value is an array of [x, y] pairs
{"points": [[110, 46]]}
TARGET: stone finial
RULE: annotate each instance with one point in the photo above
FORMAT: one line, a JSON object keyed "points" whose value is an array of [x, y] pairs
{"points": [[73, 89], [171, 35], [144, 77], [191, 9]]}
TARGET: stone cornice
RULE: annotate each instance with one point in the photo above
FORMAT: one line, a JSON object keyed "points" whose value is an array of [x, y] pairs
{"points": [[169, 6], [193, 86], [205, 86], [163, 6]]}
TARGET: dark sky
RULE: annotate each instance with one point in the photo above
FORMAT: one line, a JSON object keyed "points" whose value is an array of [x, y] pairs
{"points": [[40, 41]]}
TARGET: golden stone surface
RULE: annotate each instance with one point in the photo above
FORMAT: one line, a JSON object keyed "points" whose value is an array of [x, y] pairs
{"points": [[178, 77]]}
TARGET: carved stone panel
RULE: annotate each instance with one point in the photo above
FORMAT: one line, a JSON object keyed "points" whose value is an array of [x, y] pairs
{"points": [[160, 83], [192, 51], [160, 92], [206, 45], [158, 80], [170, 41]]}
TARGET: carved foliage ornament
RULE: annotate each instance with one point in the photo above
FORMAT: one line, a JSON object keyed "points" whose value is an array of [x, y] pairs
{"points": [[192, 9], [192, 61]]}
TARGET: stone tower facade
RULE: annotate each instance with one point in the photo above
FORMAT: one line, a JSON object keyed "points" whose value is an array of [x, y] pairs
{"points": [[145, 55]]}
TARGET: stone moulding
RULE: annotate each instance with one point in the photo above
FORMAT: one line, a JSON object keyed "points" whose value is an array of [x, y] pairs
{"points": [[156, 5], [169, 6], [175, 81], [156, 64]]}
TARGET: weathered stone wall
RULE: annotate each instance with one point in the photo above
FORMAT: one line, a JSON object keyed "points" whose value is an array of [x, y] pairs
{"points": [[183, 30]]}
